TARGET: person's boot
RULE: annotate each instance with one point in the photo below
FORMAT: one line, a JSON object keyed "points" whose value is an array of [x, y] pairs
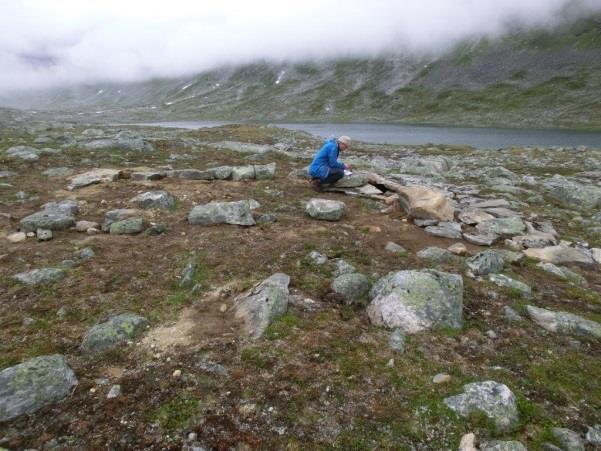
{"points": [[317, 185]]}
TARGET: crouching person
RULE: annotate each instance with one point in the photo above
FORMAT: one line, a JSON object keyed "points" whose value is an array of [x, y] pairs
{"points": [[325, 169]]}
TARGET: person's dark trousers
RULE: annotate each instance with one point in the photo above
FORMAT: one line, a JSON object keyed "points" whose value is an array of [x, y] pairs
{"points": [[334, 175]]}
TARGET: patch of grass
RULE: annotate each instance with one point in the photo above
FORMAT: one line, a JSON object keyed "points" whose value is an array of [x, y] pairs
{"points": [[177, 413], [254, 356], [283, 327], [582, 294]]}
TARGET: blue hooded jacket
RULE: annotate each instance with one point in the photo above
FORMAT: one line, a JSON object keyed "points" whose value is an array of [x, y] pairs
{"points": [[326, 159]]}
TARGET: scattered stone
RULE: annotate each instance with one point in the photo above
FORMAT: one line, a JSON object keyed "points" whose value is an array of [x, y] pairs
{"points": [[47, 219], [352, 287], [596, 254], [569, 194], [237, 213], [154, 199], [560, 254], [16, 237], [324, 209], [511, 314], [84, 226], [507, 282], [426, 203], [265, 172], [155, 230], [396, 341], [193, 174], [493, 399], [110, 334], [497, 445], [481, 239], [317, 258], [85, 253], [501, 226], [68, 264], [472, 216], [33, 384], [437, 254], [118, 215], [468, 442], [43, 234], [221, 172], [66, 207], [417, 300], [148, 175], [40, 276], [25, 153], [485, 262], [263, 304], [369, 190], [177, 374], [114, 392], [593, 435], [243, 172], [214, 368], [267, 219], [129, 226], [458, 249], [94, 177], [425, 222], [188, 276], [395, 248], [562, 272], [451, 230], [534, 240], [58, 172], [564, 322], [493, 203], [355, 180], [343, 267], [568, 439], [441, 378]]}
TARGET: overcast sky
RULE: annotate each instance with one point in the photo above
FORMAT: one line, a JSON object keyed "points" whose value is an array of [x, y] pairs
{"points": [[49, 42]]}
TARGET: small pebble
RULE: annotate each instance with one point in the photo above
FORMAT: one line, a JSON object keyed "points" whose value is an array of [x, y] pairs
{"points": [[177, 373], [441, 378], [114, 392]]}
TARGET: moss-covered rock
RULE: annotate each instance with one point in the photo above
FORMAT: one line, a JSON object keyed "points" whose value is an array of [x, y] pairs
{"points": [[112, 333]]}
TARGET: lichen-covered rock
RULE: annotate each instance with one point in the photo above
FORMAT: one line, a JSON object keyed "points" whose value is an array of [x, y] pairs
{"points": [[110, 334], [450, 230], [560, 255], [569, 440], [265, 172], [343, 267], [426, 203], [33, 384], [40, 276], [243, 172], [562, 272], [417, 300], [501, 226], [237, 213], [128, 226], [47, 219], [485, 262], [352, 287], [25, 153], [507, 282], [493, 399], [354, 180], [437, 254], [154, 199], [328, 210], [570, 194], [564, 322], [93, 177], [473, 216], [511, 445], [263, 304]]}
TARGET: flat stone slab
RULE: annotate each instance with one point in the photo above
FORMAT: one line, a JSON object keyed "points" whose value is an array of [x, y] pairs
{"points": [[564, 322], [129, 226], [263, 304], [33, 384], [560, 255], [324, 209], [355, 180], [154, 200], [507, 282], [501, 226], [25, 153], [236, 213], [417, 300], [93, 177], [114, 332], [40, 276], [47, 219], [473, 216]]}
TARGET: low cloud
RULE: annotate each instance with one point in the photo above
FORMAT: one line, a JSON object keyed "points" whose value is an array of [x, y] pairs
{"points": [[51, 43]]}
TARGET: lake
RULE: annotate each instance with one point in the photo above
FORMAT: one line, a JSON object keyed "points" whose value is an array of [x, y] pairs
{"points": [[482, 138]]}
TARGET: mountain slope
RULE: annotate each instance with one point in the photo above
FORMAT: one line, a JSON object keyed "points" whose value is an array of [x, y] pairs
{"points": [[549, 78]]}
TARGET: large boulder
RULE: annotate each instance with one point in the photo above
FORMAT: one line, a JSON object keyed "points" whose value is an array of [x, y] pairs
{"points": [[93, 177], [328, 210], [573, 195], [110, 334], [263, 304], [560, 255], [25, 153], [33, 384], [47, 219], [564, 322], [352, 287], [40, 276], [128, 140], [491, 398], [417, 300], [154, 199], [237, 213], [426, 203]]}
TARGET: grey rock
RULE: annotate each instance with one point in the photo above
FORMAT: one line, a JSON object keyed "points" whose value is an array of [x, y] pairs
{"points": [[481, 239], [493, 399], [118, 215], [66, 207], [94, 177], [243, 172], [114, 332], [317, 258], [265, 172], [128, 140], [237, 213], [154, 199], [396, 341], [564, 323], [33, 384], [354, 180], [425, 222], [213, 368], [324, 209], [263, 304], [221, 172], [451, 230], [562, 272], [193, 174], [369, 190], [68, 264], [43, 234], [395, 248], [129, 226], [535, 240], [148, 175], [511, 445], [47, 219], [58, 172], [501, 212], [511, 314], [6, 174], [417, 300], [501, 226], [507, 282], [267, 218], [437, 254], [187, 279], [84, 226], [114, 392], [352, 287], [486, 262], [155, 230], [40, 276], [568, 439], [473, 216], [492, 203], [343, 267], [593, 435], [25, 153], [560, 254], [85, 253], [570, 194]]}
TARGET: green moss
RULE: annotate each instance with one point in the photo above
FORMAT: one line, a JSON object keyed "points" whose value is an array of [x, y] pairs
{"points": [[283, 327], [255, 356], [582, 294], [177, 413]]}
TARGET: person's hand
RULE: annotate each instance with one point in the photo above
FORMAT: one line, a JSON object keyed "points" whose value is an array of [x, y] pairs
{"points": [[347, 166]]}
